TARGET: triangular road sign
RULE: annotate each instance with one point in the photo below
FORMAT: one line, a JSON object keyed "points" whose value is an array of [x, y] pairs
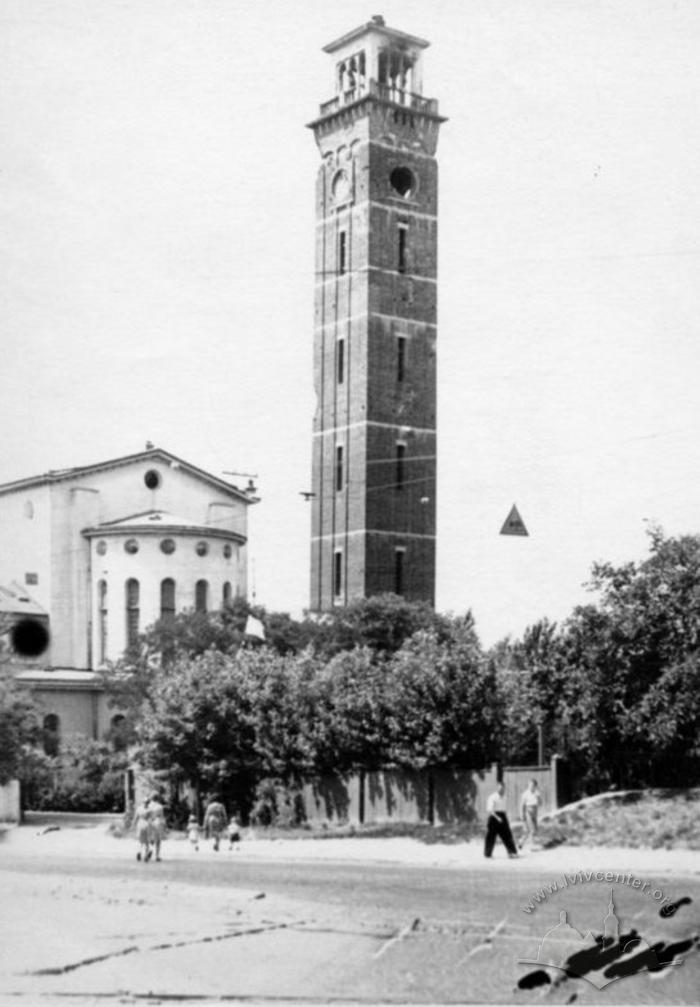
{"points": [[513, 524]]}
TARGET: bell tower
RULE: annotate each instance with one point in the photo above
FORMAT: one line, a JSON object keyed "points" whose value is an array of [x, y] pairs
{"points": [[374, 431]]}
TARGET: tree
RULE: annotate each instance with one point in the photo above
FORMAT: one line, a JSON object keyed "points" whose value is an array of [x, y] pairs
{"points": [[667, 724], [224, 722], [528, 673], [19, 730], [381, 623], [349, 731], [441, 699]]}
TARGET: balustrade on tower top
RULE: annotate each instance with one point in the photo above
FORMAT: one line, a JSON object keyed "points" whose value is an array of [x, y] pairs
{"points": [[378, 61]]}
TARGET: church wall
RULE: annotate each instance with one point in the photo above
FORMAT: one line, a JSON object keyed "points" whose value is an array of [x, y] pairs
{"points": [[25, 529]]}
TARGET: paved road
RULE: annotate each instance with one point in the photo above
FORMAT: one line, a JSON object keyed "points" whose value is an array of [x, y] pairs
{"points": [[94, 930]]}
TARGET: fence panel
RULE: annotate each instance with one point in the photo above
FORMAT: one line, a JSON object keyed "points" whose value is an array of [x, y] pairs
{"points": [[333, 799], [516, 779], [397, 796], [460, 795], [10, 802]]}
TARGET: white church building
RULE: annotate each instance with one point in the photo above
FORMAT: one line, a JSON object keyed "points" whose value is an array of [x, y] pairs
{"points": [[98, 553]]}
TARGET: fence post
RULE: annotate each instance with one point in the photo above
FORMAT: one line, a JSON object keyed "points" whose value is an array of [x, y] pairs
{"points": [[361, 798], [554, 769]]}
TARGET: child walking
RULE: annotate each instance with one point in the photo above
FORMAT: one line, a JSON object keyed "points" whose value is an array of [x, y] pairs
{"points": [[193, 833]]}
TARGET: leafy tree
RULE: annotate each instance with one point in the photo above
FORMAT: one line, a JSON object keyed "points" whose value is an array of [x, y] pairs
{"points": [[380, 623], [528, 673], [19, 729], [667, 724], [615, 682], [224, 722], [86, 776], [442, 701], [349, 731]]}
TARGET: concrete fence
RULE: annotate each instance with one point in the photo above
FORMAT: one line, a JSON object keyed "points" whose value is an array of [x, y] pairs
{"points": [[441, 796], [550, 780], [10, 802]]}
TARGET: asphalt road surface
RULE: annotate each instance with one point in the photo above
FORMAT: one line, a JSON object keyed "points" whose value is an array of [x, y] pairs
{"points": [[78, 930]]}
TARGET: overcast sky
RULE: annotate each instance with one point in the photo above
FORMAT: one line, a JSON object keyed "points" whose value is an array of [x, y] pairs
{"points": [[156, 247]]}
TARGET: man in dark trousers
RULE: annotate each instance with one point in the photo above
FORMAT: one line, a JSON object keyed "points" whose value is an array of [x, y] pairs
{"points": [[497, 823]]}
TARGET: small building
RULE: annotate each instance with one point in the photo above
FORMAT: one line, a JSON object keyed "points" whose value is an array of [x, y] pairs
{"points": [[96, 554]]}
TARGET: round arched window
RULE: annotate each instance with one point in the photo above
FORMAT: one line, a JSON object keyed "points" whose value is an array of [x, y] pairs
{"points": [[152, 479], [101, 547], [131, 546], [167, 546], [403, 181], [341, 187], [202, 548]]}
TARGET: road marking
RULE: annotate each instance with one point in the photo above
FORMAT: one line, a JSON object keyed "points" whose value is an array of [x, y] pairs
{"points": [[404, 932], [487, 944]]}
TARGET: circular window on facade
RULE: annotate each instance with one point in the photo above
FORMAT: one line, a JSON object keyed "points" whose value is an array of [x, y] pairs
{"points": [[403, 181], [131, 546], [101, 547], [341, 187], [167, 546], [228, 551], [152, 479], [201, 548]]}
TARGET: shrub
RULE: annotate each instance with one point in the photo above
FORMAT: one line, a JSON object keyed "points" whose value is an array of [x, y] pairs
{"points": [[87, 776], [277, 804]]}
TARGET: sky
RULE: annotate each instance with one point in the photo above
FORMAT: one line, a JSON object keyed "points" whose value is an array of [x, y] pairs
{"points": [[156, 249]]}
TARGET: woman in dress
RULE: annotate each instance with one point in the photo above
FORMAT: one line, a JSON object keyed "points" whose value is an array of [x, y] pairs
{"points": [[142, 828]]}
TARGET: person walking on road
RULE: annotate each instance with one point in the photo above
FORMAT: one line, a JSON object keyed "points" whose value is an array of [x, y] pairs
{"points": [[497, 823], [529, 806], [234, 833], [215, 821], [142, 828], [157, 823], [193, 833]]}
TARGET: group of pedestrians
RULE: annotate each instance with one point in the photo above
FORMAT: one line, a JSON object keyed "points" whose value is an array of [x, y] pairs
{"points": [[149, 824], [497, 824], [216, 825], [149, 827]]}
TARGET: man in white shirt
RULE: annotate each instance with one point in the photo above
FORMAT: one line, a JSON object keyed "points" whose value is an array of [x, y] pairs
{"points": [[497, 823], [529, 805]]}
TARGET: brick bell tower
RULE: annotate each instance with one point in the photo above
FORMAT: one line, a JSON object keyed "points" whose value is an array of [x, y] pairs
{"points": [[374, 433]]}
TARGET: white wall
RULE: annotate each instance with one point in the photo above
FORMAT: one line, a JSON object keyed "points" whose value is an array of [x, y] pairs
{"points": [[9, 802], [51, 544], [25, 541], [149, 566]]}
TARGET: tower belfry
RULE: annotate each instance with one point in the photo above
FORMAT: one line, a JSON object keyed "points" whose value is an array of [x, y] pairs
{"points": [[374, 434]]}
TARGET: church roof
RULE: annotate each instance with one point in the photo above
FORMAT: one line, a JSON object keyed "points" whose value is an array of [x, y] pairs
{"points": [[14, 599], [149, 519], [150, 454], [377, 25], [159, 521]]}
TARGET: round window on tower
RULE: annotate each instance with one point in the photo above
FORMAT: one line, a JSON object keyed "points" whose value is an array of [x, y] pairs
{"points": [[403, 182], [131, 546], [167, 546], [101, 548], [152, 479], [201, 548], [228, 551], [341, 187]]}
